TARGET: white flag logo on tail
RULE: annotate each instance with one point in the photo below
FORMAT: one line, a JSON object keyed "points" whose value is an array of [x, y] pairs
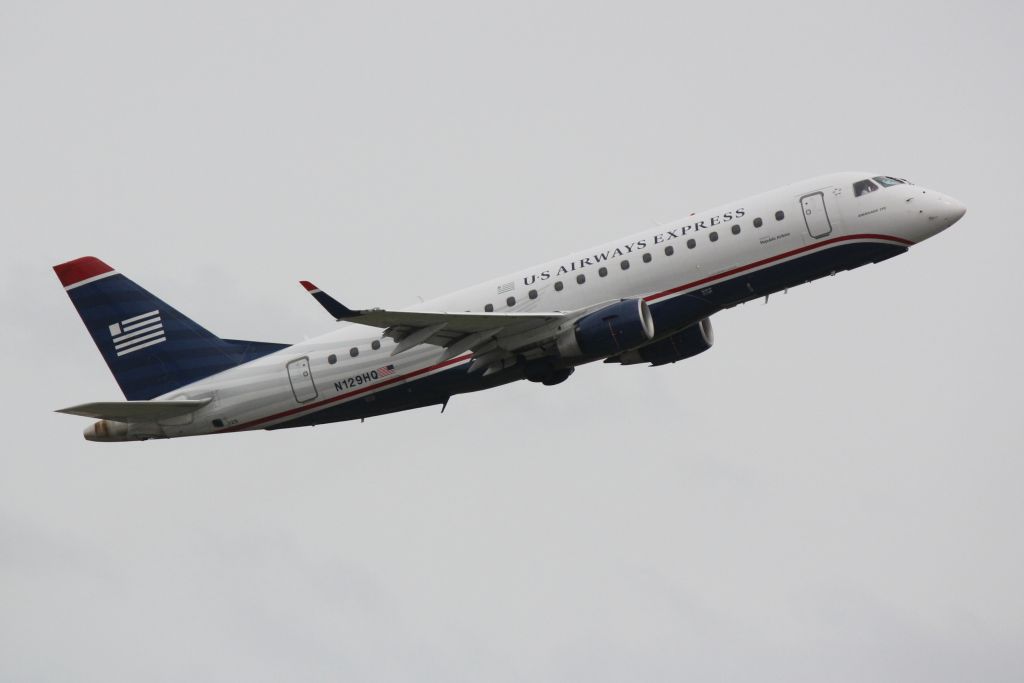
{"points": [[137, 333]]}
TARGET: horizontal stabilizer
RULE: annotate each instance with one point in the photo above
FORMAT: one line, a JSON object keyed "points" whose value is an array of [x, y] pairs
{"points": [[135, 411]]}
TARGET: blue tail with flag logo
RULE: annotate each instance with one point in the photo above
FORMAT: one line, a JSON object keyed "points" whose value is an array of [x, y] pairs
{"points": [[150, 347]]}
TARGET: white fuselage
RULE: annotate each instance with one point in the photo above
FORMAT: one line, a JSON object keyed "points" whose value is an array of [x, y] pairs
{"points": [[786, 236]]}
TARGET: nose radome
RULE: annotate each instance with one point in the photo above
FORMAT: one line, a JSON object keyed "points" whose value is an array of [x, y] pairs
{"points": [[929, 213], [952, 210], [958, 210]]}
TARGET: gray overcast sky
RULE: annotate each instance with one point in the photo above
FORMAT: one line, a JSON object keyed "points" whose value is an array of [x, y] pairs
{"points": [[831, 493]]}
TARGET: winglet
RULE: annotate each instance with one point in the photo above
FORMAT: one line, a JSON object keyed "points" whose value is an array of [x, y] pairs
{"points": [[339, 310]]}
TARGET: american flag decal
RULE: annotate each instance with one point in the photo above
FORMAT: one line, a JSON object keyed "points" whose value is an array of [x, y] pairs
{"points": [[386, 370], [507, 287], [137, 332]]}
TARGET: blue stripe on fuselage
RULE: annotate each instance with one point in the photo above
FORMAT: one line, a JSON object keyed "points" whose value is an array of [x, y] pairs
{"points": [[671, 313]]}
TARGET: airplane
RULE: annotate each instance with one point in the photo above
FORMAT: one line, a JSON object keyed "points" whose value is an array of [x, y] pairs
{"points": [[646, 298]]}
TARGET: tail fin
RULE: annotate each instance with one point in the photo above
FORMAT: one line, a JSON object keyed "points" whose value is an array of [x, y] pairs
{"points": [[150, 347]]}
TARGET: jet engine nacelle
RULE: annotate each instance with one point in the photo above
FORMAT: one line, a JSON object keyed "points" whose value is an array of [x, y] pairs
{"points": [[610, 330], [696, 338]]}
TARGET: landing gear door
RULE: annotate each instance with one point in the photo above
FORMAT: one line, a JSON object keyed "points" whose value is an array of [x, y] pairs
{"points": [[815, 215], [301, 379]]}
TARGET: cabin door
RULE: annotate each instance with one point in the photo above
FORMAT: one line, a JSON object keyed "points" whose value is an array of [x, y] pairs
{"points": [[815, 214], [301, 379]]}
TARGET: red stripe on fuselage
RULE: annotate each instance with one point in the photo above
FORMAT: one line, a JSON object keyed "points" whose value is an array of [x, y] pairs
{"points": [[649, 297], [351, 394], [773, 259]]}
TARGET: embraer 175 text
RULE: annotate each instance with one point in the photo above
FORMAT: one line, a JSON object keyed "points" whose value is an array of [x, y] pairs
{"points": [[646, 298]]}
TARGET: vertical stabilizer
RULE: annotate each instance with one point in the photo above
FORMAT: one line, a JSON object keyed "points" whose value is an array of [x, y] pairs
{"points": [[149, 346]]}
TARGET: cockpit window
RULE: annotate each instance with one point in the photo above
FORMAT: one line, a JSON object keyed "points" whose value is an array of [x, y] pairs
{"points": [[888, 181], [863, 187]]}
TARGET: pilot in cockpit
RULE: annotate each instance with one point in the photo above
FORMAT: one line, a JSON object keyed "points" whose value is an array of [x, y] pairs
{"points": [[867, 185]]}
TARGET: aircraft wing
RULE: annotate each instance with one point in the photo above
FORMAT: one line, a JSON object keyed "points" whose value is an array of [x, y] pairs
{"points": [[492, 337], [135, 411], [455, 323]]}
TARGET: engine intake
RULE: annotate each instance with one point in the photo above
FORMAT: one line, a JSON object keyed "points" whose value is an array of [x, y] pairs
{"points": [[613, 329], [696, 338]]}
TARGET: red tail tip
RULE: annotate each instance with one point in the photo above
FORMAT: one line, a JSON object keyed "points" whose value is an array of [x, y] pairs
{"points": [[310, 287], [80, 269]]}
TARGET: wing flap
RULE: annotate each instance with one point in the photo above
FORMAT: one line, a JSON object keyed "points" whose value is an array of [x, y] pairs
{"points": [[135, 411]]}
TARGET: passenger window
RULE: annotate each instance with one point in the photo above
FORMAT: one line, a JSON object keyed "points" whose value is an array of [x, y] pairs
{"points": [[779, 215], [559, 286], [863, 187], [735, 229], [758, 222], [669, 250], [375, 344], [533, 294], [647, 257], [511, 301], [624, 264], [691, 243], [602, 271], [332, 359], [489, 308], [713, 236], [354, 351], [581, 278]]}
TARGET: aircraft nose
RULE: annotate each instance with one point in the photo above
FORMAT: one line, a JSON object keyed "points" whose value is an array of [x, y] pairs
{"points": [[954, 210], [929, 213], [945, 211]]}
